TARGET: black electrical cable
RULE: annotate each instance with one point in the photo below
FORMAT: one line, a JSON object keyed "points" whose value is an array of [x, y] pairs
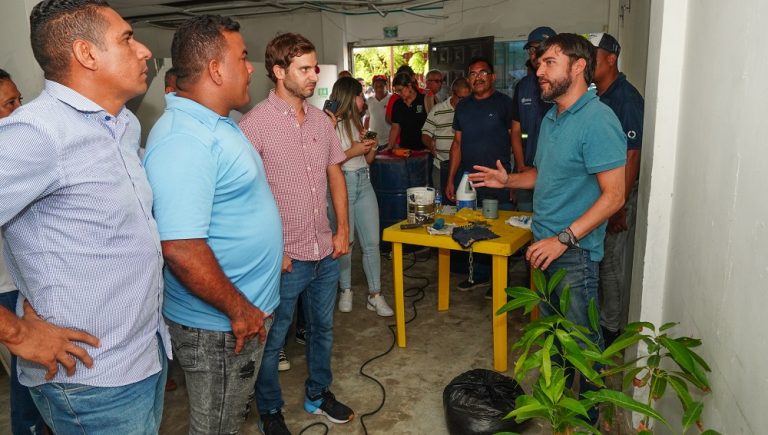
{"points": [[416, 292]]}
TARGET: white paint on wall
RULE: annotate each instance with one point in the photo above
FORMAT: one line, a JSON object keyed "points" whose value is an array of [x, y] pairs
{"points": [[706, 232]]}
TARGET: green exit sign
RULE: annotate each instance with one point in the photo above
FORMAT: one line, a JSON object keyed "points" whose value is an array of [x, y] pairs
{"points": [[322, 92]]}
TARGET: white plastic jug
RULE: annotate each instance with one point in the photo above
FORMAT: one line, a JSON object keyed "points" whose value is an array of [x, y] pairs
{"points": [[466, 197]]}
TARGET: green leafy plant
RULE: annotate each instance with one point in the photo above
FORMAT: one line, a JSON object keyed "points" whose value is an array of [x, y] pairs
{"points": [[556, 346]]}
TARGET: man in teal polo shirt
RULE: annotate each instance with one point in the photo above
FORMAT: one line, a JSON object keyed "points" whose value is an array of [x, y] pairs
{"points": [[218, 222], [578, 174]]}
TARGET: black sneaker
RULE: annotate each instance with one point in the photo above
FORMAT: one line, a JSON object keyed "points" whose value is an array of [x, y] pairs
{"points": [[466, 286], [489, 294], [328, 406], [273, 424], [301, 336]]}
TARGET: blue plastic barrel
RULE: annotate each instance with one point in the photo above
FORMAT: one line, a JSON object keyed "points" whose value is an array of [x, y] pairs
{"points": [[391, 176]]}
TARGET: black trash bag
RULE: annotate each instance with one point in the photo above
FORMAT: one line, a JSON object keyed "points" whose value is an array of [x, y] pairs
{"points": [[476, 402]]}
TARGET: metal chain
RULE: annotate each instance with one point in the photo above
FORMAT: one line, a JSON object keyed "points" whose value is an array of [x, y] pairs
{"points": [[471, 278]]}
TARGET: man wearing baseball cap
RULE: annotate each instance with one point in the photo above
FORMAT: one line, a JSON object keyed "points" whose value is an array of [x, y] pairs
{"points": [[527, 113], [616, 267]]}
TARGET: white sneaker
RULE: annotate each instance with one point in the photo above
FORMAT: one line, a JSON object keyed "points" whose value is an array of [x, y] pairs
{"points": [[345, 301], [282, 362], [378, 304]]}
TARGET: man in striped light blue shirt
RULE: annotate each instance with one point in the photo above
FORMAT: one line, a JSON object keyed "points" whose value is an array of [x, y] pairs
{"points": [[82, 245]]}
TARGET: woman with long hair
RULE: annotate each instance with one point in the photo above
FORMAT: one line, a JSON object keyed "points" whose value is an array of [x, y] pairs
{"points": [[363, 208], [408, 113]]}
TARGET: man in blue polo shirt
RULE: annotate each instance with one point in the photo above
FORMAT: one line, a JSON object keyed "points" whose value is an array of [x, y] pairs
{"points": [[527, 113], [218, 222], [616, 267], [578, 173]]}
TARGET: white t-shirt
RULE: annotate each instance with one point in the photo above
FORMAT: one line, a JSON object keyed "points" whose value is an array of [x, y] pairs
{"points": [[356, 162], [378, 123]]}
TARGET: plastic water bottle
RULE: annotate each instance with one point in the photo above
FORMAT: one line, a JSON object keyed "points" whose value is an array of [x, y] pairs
{"points": [[466, 197], [438, 203]]}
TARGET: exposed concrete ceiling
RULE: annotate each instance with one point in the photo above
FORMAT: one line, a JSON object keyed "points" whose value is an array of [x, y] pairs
{"points": [[168, 13]]}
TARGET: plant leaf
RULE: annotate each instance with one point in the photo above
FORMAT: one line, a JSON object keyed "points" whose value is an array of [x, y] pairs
{"points": [[620, 368], [653, 361], [689, 342], [681, 388], [630, 376], [621, 343], [554, 280], [666, 326], [565, 297], [546, 362], [700, 361], [527, 412], [539, 280], [638, 326], [573, 405], [658, 386], [692, 415], [623, 401], [528, 299], [710, 432], [586, 370], [594, 315], [682, 357]]}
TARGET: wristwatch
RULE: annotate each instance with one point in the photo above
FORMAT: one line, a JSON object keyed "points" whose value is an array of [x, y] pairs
{"points": [[567, 238]]}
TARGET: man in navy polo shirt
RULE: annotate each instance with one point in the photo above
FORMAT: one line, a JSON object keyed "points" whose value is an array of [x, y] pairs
{"points": [[482, 125], [616, 267], [527, 113]]}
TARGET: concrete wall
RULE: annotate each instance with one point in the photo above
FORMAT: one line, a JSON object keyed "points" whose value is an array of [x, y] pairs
{"points": [[15, 52], [706, 235]]}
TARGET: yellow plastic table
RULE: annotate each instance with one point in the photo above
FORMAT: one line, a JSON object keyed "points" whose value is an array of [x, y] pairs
{"points": [[510, 241]]}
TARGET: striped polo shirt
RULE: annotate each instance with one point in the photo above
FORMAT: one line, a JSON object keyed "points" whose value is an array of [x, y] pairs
{"points": [[439, 125]]}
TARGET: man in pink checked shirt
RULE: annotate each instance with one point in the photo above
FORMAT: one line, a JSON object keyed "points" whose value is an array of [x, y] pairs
{"points": [[302, 156]]}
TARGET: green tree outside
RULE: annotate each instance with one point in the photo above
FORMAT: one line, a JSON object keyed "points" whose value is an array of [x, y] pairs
{"points": [[371, 61]]}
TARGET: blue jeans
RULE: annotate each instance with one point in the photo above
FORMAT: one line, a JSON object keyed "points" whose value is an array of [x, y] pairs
{"points": [[582, 276], [25, 418], [219, 381], [83, 409], [363, 219], [315, 282]]}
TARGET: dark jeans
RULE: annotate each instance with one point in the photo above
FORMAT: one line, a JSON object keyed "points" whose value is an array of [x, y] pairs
{"points": [[315, 283], [25, 418], [219, 381]]}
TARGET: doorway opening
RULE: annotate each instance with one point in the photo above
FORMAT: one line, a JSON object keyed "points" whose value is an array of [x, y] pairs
{"points": [[386, 59]]}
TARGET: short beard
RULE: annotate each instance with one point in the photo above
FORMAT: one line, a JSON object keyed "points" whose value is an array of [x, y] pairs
{"points": [[296, 91], [557, 89]]}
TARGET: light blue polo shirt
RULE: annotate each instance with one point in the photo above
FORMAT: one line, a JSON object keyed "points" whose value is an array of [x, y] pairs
{"points": [[208, 182], [573, 147]]}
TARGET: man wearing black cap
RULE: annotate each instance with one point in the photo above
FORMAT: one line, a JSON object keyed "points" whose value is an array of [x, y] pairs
{"points": [[527, 113], [616, 267]]}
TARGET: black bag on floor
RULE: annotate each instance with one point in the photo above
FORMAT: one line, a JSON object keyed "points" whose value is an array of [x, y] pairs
{"points": [[476, 402]]}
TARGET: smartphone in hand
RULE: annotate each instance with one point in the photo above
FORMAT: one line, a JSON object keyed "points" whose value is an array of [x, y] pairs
{"points": [[370, 135], [331, 105]]}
